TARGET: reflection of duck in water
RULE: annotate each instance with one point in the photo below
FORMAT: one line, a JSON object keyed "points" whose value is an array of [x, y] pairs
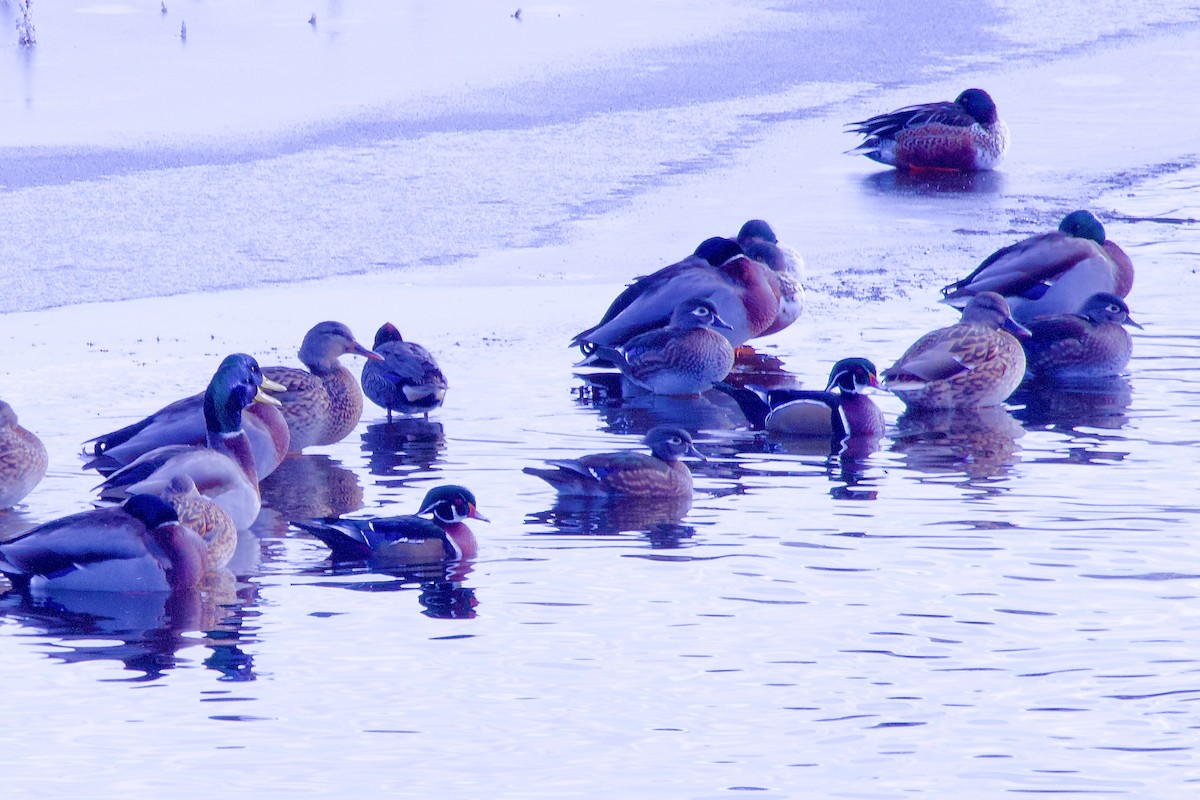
{"points": [[659, 517], [981, 442], [1094, 403], [312, 486], [403, 447]]}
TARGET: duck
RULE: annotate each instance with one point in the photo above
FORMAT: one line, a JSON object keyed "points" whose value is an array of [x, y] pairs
{"points": [[408, 539], [685, 358], [966, 135], [1051, 273], [204, 516], [182, 423], [23, 459], [407, 380], [848, 411], [757, 293], [140, 546], [1093, 343], [627, 473], [324, 403], [223, 470], [975, 363]]}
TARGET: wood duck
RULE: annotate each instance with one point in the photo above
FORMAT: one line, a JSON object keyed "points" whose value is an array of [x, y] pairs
{"points": [[965, 135], [1051, 273], [627, 473], [407, 380], [23, 459], [1091, 344], [685, 358], [976, 362], [138, 547], [848, 411], [407, 539]]}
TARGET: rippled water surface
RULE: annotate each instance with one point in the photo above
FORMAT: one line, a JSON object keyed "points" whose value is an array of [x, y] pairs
{"points": [[986, 604]]}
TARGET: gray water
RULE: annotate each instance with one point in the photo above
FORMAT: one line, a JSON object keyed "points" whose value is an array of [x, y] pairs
{"points": [[998, 606]]}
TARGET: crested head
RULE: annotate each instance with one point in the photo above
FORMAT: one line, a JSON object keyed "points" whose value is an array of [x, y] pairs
{"points": [[979, 105], [699, 312], [1083, 224], [757, 229], [852, 375], [670, 443], [387, 333], [717, 250], [149, 510], [450, 504]]}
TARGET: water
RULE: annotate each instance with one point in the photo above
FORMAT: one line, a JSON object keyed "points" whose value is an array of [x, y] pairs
{"points": [[1003, 606]]}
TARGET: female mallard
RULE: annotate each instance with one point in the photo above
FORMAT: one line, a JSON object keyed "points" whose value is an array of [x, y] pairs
{"points": [[1090, 344], [138, 547], [974, 363], [204, 516], [685, 358], [1051, 273], [849, 411], [965, 135], [408, 539], [324, 404], [407, 380], [224, 469], [23, 459], [627, 473]]}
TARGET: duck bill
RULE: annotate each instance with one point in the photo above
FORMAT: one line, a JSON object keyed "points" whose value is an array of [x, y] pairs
{"points": [[267, 400], [1016, 329], [273, 386], [692, 451], [717, 322], [1129, 321], [474, 514], [370, 355]]}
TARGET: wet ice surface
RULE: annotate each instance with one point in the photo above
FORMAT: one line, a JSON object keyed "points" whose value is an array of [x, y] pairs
{"points": [[1001, 607]]}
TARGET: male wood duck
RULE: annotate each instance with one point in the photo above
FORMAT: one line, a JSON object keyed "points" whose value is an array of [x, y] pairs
{"points": [[407, 380], [965, 135], [324, 404], [756, 294], [182, 423], [685, 358], [1091, 344], [1051, 273], [830, 414], [974, 363], [23, 459], [223, 470], [627, 473], [204, 516], [408, 539], [138, 547]]}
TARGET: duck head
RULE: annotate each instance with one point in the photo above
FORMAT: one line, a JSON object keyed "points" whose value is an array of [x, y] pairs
{"points": [[450, 504], [989, 308], [670, 443], [852, 376], [698, 312]]}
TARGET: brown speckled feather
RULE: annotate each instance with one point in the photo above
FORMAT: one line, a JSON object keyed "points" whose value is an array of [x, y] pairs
{"points": [[23, 459]]}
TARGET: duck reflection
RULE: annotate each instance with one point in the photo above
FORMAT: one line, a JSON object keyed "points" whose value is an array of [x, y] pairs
{"points": [[981, 442], [441, 589], [403, 447], [144, 631], [935, 182], [311, 486], [637, 414], [657, 517], [1093, 403], [845, 461]]}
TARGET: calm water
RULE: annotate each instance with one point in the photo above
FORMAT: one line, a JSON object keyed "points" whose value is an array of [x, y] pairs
{"points": [[987, 605]]}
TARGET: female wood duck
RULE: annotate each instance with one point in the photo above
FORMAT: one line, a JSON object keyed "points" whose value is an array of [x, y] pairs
{"points": [[182, 423], [408, 539], [204, 516], [685, 358], [324, 404], [835, 415], [756, 295], [1051, 273], [627, 473], [23, 459], [1090, 344], [964, 135], [138, 547], [975, 363], [407, 380], [224, 469]]}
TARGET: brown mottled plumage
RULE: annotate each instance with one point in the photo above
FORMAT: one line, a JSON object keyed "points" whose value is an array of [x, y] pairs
{"points": [[203, 516], [968, 365], [23, 459], [1090, 344], [627, 473]]}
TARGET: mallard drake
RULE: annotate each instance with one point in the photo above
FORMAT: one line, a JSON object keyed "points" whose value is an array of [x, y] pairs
{"points": [[23, 459], [408, 539], [224, 469], [1051, 273], [627, 473], [756, 294], [204, 516], [685, 358], [1091, 344], [182, 423], [407, 380], [139, 547], [324, 404], [974, 363], [848, 411], [964, 135]]}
